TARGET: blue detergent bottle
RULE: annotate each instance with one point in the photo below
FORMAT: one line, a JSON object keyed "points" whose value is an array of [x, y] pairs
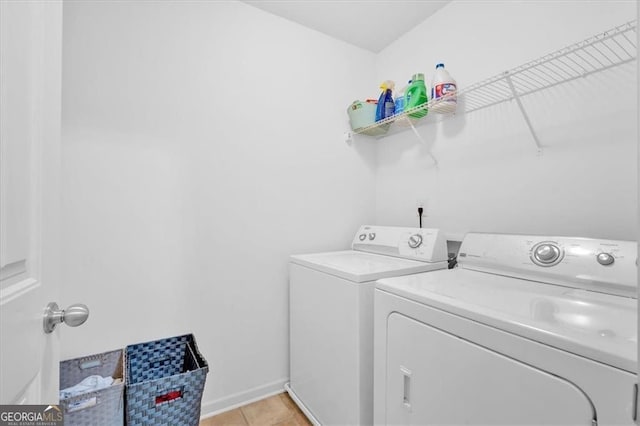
{"points": [[399, 100], [385, 102]]}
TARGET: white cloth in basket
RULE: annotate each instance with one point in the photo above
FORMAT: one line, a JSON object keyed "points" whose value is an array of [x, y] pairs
{"points": [[89, 384]]}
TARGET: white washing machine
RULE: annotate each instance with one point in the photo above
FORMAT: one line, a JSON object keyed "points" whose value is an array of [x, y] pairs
{"points": [[331, 318], [526, 330]]}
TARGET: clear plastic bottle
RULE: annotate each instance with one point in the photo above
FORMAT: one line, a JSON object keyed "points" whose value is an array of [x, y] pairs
{"points": [[443, 88]]}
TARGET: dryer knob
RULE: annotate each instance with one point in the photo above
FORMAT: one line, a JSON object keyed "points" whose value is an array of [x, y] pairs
{"points": [[362, 237], [546, 254], [415, 241], [605, 259]]}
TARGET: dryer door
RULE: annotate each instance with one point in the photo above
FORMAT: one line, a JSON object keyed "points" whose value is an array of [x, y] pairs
{"points": [[437, 378]]}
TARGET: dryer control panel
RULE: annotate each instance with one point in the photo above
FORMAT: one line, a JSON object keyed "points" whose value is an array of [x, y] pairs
{"points": [[606, 266], [427, 245]]}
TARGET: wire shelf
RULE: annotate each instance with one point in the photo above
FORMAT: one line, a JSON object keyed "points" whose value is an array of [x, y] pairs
{"points": [[600, 52]]}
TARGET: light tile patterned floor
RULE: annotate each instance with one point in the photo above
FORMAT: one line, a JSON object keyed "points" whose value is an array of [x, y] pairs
{"points": [[278, 410]]}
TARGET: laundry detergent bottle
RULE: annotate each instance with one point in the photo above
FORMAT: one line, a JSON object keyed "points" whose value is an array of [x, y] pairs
{"points": [[443, 91], [416, 95], [385, 102], [399, 99]]}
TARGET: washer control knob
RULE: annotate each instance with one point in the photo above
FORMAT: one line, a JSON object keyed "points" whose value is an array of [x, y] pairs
{"points": [[372, 236], [415, 241], [605, 259], [546, 254], [362, 237]]}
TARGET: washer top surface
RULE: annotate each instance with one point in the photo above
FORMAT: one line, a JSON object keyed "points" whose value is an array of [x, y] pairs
{"points": [[360, 266], [381, 252], [595, 325]]}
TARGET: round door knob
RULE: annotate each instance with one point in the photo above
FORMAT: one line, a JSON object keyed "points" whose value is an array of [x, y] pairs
{"points": [[73, 316], [415, 240], [605, 259], [76, 315], [546, 254]]}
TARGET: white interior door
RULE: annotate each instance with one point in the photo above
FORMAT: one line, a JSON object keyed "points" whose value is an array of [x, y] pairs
{"points": [[30, 103]]}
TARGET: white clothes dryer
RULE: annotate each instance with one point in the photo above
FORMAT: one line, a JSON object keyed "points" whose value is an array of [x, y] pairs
{"points": [[527, 330], [331, 318]]}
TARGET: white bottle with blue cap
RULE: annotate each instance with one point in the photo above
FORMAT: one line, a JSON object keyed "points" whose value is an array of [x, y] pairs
{"points": [[443, 92]]}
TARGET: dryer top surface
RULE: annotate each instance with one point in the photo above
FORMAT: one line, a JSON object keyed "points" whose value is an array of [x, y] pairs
{"points": [[599, 326]]}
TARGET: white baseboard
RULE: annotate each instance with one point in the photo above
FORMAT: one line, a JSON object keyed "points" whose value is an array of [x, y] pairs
{"points": [[211, 408]]}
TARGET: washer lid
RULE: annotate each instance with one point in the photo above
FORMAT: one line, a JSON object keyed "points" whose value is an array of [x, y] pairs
{"points": [[598, 326], [359, 267]]}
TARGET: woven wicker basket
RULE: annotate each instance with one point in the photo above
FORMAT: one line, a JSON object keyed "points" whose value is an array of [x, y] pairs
{"points": [[100, 408], [165, 381]]}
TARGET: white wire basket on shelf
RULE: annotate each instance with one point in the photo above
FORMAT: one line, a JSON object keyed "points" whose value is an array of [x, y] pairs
{"points": [[606, 50]]}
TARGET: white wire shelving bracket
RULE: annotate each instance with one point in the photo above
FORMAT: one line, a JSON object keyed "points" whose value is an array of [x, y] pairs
{"points": [[598, 53]]}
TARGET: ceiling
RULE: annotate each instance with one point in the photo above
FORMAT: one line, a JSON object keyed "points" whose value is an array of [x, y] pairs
{"points": [[372, 25]]}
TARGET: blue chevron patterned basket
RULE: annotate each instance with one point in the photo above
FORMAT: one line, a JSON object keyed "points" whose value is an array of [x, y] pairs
{"points": [[165, 379]]}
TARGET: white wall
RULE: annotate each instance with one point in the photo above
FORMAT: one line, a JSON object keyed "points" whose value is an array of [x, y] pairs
{"points": [[202, 144], [490, 177]]}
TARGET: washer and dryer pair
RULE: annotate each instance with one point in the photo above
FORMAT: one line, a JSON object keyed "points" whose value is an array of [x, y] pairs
{"points": [[526, 330]]}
